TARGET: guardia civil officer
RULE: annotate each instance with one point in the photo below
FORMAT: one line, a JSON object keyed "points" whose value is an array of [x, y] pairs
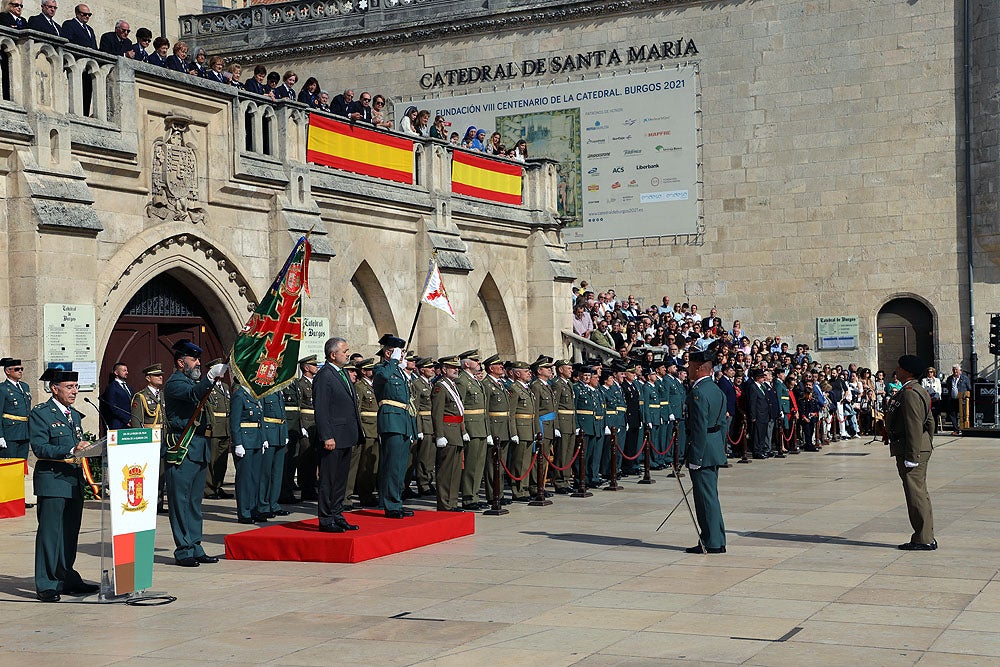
{"points": [[706, 449], [246, 428], [910, 424], [15, 402], [396, 426], [187, 466], [56, 436], [273, 463]]}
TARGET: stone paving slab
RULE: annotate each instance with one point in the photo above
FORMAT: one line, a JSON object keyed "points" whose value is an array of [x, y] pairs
{"points": [[812, 576]]}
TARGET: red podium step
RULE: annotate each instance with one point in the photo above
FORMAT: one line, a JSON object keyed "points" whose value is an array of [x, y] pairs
{"points": [[377, 536]]}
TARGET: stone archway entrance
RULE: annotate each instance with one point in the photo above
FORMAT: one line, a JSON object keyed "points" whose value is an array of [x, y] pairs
{"points": [[163, 311], [905, 326]]}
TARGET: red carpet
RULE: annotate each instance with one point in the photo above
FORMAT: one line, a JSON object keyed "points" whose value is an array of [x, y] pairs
{"points": [[377, 536]]}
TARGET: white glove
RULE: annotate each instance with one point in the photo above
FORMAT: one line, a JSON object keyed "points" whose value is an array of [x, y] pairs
{"points": [[239, 451], [489, 440], [216, 371], [441, 442], [607, 430], [577, 431], [305, 432], [420, 436], [515, 439], [649, 425], [397, 353], [673, 418], [3, 443], [265, 446], [558, 434], [910, 464], [286, 442], [465, 437]]}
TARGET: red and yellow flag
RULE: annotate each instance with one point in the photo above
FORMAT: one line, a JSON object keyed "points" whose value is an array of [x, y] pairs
{"points": [[360, 150], [483, 178]]}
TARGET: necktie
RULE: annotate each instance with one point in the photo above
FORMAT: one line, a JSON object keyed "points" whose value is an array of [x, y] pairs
{"points": [[54, 26]]}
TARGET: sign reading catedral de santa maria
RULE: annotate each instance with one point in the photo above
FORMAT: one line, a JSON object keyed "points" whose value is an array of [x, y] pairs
{"points": [[572, 62]]}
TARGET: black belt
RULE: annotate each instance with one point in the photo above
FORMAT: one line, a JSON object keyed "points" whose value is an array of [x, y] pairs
{"points": [[715, 429]]}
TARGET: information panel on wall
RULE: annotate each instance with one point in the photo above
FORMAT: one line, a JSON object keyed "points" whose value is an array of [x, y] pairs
{"points": [[627, 147], [69, 341], [837, 333], [315, 331]]}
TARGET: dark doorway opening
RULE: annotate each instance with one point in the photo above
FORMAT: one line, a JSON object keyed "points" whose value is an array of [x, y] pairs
{"points": [[905, 326]]}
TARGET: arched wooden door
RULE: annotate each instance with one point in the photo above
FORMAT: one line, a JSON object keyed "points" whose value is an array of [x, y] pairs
{"points": [[162, 312], [905, 326]]}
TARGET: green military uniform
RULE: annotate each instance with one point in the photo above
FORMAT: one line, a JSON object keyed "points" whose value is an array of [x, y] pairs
{"points": [[652, 417], [217, 411], [291, 396], [673, 405], [58, 481], [614, 405], [273, 460], [246, 428], [362, 478], [15, 403], [396, 430], [910, 424], [526, 426], [148, 412], [186, 480], [590, 421], [446, 412], [706, 420], [545, 407], [473, 396], [422, 459], [308, 448], [500, 422], [565, 405]]}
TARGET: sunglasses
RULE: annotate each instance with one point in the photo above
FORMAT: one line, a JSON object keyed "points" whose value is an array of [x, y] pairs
{"points": [[17, 368], [13, 5], [87, 14], [366, 99], [379, 103]]}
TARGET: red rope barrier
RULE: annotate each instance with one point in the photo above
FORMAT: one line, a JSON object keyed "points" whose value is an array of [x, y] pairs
{"points": [[739, 438], [627, 457], [534, 458], [552, 462], [669, 446], [791, 434]]}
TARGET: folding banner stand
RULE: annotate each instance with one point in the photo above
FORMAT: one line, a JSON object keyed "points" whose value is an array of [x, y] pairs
{"points": [[130, 465]]}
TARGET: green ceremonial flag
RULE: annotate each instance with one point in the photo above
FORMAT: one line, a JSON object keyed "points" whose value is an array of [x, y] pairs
{"points": [[266, 352]]}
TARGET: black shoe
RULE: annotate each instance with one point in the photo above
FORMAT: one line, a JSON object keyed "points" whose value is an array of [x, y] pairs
{"points": [[224, 495], [917, 546], [288, 500], [697, 550], [548, 494], [259, 518], [342, 523], [431, 491], [245, 519], [280, 513], [190, 561], [454, 509], [332, 529], [505, 501], [83, 588], [206, 559], [779, 455], [211, 496], [48, 596], [562, 491], [160, 509], [396, 514]]}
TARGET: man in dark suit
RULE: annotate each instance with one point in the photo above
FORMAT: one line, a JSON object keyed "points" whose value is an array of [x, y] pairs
{"points": [[11, 15], [340, 104], [952, 388], [45, 21], [117, 43], [116, 403], [338, 428], [757, 409], [77, 29], [362, 109], [773, 414], [725, 383]]}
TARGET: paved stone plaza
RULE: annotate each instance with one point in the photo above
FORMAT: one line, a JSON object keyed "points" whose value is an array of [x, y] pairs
{"points": [[812, 577]]}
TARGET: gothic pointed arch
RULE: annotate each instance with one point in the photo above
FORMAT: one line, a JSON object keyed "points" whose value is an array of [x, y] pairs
{"points": [[496, 311], [373, 296]]}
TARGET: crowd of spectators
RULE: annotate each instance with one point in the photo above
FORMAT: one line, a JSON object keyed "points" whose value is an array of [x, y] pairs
{"points": [[825, 403], [368, 108]]}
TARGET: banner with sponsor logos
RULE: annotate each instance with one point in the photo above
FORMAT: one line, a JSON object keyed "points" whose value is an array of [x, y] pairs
{"points": [[627, 147]]}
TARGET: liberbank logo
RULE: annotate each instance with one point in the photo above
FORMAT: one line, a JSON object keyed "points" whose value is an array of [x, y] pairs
{"points": [[641, 167]]}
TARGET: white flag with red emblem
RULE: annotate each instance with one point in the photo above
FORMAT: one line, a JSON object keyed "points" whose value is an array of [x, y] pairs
{"points": [[434, 292]]}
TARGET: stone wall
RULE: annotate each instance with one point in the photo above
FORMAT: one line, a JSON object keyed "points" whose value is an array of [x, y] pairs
{"points": [[831, 157]]}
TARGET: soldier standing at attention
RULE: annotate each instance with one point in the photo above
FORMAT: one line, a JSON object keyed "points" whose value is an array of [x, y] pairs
{"points": [[396, 427], [246, 426], [362, 479], [449, 436], [15, 403], [545, 407], [706, 450], [526, 423], [423, 457], [565, 404], [910, 424], [500, 421], [309, 449], [473, 396], [273, 461], [56, 435], [187, 468], [218, 438], [147, 412], [290, 395]]}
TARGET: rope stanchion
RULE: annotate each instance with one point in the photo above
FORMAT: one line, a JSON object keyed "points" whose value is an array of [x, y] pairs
{"points": [[581, 478], [540, 499], [496, 509], [744, 439], [647, 445], [613, 472]]}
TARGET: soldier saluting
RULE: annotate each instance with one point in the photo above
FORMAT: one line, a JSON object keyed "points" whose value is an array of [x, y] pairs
{"points": [[910, 425]]}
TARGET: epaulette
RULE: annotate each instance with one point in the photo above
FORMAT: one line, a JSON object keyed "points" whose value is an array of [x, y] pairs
{"points": [[38, 406]]}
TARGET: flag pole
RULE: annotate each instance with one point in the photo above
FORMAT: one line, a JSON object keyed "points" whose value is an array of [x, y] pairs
{"points": [[409, 339]]}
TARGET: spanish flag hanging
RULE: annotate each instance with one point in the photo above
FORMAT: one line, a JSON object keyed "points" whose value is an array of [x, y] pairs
{"points": [[360, 150], [484, 178]]}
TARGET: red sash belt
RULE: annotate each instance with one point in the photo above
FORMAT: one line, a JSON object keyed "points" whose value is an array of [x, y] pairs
{"points": [[452, 419]]}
